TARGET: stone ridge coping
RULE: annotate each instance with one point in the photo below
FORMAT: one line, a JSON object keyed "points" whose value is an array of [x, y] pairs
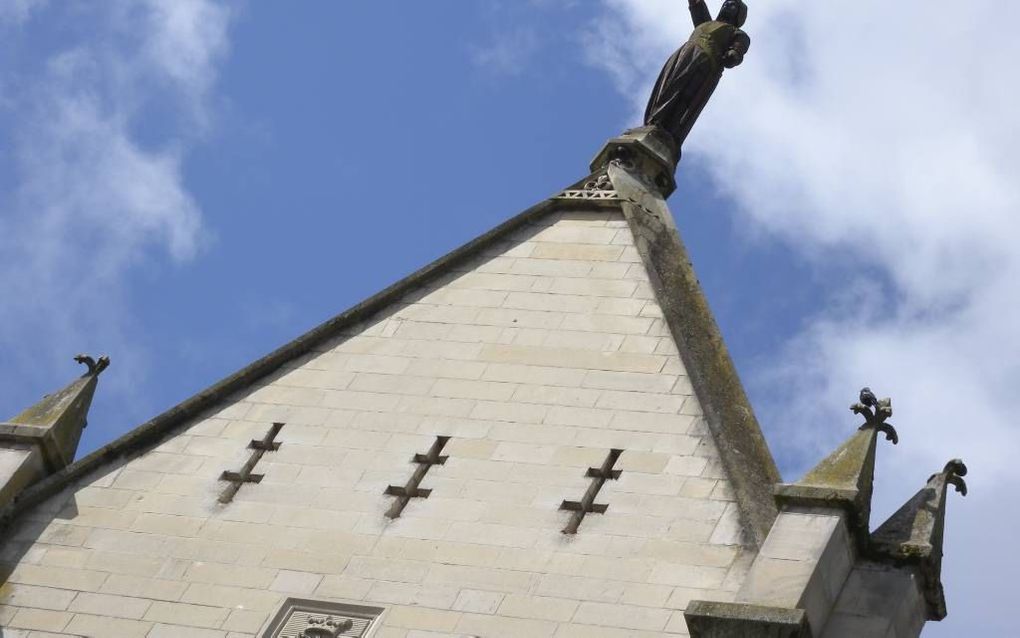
{"points": [[150, 433], [744, 453], [709, 619]]}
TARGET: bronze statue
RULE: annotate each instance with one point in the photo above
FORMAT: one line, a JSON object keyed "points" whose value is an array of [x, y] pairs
{"points": [[692, 73]]}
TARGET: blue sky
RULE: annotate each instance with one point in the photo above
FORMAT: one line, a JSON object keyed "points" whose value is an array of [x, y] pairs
{"points": [[187, 185]]}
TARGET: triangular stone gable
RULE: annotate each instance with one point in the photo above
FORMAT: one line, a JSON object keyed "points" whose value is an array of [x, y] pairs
{"points": [[551, 339], [536, 357]]}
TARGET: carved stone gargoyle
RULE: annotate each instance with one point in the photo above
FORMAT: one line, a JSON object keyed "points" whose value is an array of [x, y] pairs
{"points": [[95, 366]]}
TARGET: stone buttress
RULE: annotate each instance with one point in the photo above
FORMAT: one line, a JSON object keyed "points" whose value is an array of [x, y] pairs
{"points": [[821, 573]]}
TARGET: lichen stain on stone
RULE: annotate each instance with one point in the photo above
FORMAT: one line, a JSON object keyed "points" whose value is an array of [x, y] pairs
{"points": [[50, 407], [745, 454], [843, 467]]}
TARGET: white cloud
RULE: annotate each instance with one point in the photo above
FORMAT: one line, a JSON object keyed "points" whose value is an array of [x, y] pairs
{"points": [[886, 133], [18, 11], [188, 37], [507, 52], [90, 201]]}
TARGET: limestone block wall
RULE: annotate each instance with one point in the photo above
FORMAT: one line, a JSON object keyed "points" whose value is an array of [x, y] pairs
{"points": [[803, 564], [878, 600], [536, 360], [20, 464]]}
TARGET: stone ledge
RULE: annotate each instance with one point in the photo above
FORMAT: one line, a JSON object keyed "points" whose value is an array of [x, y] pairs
{"points": [[22, 432], [790, 496], [708, 619], [43, 437], [794, 495]]}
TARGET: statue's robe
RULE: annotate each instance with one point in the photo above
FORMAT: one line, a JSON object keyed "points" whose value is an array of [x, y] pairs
{"points": [[691, 75]]}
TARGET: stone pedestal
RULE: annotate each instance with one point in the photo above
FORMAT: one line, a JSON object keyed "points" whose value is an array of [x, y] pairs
{"points": [[648, 151]]}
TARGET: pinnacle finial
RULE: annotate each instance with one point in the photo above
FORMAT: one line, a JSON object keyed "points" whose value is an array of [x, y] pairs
{"points": [[914, 533], [845, 478], [954, 471], [95, 366], [54, 424], [875, 411]]}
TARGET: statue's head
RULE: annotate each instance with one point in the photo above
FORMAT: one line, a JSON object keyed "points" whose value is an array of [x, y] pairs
{"points": [[733, 12]]}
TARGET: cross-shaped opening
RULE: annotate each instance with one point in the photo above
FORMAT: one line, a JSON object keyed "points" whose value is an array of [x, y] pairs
{"points": [[245, 474], [587, 504], [425, 462]]}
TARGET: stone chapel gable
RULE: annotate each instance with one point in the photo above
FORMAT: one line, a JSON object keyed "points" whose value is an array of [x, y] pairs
{"points": [[540, 434]]}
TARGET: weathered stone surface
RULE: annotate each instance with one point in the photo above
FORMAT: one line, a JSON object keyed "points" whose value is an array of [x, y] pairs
{"points": [[913, 535], [879, 600], [744, 451], [43, 438], [842, 481], [845, 479], [706, 619], [647, 150]]}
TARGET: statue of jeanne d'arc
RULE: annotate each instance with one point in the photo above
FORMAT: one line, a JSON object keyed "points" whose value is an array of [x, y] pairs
{"points": [[692, 73]]}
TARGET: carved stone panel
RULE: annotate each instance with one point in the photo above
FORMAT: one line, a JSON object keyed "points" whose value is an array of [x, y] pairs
{"points": [[300, 618]]}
